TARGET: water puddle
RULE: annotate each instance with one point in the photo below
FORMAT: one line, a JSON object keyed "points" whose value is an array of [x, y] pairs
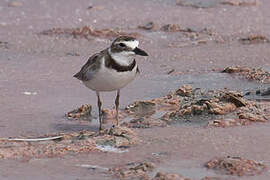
{"points": [[108, 148], [199, 3], [93, 167]]}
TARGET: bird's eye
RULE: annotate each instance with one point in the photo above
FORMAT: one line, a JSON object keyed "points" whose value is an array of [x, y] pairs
{"points": [[122, 45]]}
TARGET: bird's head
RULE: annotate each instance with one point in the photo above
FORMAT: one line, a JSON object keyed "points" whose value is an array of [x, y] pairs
{"points": [[124, 48]]}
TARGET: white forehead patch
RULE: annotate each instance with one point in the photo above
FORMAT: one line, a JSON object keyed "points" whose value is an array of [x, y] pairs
{"points": [[131, 44]]}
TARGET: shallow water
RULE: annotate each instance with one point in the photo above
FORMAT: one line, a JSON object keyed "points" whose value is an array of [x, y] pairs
{"points": [[200, 3]]}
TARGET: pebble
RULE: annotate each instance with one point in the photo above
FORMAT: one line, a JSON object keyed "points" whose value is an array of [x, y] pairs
{"points": [[15, 4]]}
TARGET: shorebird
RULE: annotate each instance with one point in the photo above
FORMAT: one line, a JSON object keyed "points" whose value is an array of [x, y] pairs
{"points": [[111, 70]]}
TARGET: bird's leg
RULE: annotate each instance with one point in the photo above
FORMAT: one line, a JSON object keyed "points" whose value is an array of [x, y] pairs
{"points": [[117, 107], [99, 111]]}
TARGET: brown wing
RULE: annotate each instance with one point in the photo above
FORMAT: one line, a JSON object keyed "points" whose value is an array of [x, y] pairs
{"points": [[89, 69]]}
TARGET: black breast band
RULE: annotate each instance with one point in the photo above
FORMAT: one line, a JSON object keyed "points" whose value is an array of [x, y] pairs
{"points": [[119, 68]]}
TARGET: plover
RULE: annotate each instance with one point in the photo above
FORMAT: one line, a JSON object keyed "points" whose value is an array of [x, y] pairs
{"points": [[111, 70]]}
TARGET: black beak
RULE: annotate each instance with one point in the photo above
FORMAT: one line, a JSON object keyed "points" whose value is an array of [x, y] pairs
{"points": [[139, 51]]}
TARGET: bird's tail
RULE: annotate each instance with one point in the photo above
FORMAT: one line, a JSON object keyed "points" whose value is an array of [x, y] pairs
{"points": [[78, 75]]}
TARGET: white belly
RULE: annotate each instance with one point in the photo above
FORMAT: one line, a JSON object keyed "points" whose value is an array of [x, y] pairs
{"points": [[110, 80]]}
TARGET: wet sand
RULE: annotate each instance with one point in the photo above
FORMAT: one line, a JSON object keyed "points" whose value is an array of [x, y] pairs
{"points": [[43, 66]]}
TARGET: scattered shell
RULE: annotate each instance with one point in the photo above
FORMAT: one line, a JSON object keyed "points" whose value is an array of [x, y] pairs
{"points": [[117, 137], [240, 2], [198, 3], [29, 93], [169, 176], [228, 123], [41, 149], [141, 108], [87, 32], [217, 108], [190, 36], [15, 4], [254, 39], [252, 117], [257, 74], [83, 111], [185, 90], [236, 166], [33, 139], [171, 28], [197, 102], [235, 69], [54, 145], [147, 26], [132, 170]]}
